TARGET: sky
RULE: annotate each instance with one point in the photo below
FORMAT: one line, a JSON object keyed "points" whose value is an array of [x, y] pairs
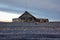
{"points": [[39, 8]]}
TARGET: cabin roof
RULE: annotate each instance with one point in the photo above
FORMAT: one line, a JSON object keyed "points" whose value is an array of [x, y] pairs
{"points": [[27, 13]]}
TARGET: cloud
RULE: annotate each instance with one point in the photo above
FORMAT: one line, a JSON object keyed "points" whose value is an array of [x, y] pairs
{"points": [[7, 17], [50, 5], [45, 8]]}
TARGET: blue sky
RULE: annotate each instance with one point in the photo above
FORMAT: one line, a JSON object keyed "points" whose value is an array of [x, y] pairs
{"points": [[39, 8]]}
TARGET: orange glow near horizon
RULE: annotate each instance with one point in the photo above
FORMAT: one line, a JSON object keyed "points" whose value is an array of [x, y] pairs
{"points": [[7, 16]]}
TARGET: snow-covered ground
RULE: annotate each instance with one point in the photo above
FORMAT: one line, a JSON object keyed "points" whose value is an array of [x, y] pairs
{"points": [[18, 31]]}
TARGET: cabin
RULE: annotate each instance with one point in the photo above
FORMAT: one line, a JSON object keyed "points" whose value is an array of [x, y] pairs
{"points": [[27, 17]]}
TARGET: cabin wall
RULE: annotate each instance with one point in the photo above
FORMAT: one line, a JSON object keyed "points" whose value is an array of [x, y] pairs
{"points": [[23, 20], [16, 20], [44, 20], [30, 20]]}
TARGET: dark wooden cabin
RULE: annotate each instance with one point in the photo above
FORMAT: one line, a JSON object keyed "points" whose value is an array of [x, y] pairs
{"points": [[27, 17]]}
